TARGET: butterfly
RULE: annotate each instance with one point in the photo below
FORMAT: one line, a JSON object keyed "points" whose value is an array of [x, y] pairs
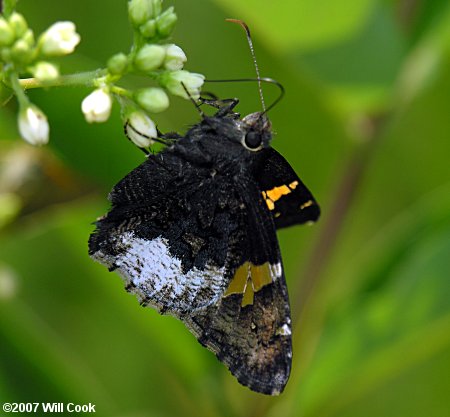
{"points": [[192, 232]]}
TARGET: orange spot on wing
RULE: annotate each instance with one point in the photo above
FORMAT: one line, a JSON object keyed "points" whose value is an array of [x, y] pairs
{"points": [[276, 193], [270, 204]]}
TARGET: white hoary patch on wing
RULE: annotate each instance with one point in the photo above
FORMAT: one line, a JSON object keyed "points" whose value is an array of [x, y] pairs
{"points": [[277, 270], [158, 277]]}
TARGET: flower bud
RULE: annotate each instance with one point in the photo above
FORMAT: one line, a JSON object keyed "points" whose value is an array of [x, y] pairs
{"points": [[33, 125], [5, 54], [153, 100], [150, 57], [166, 22], [18, 24], [175, 58], [6, 33], [21, 51], [157, 7], [117, 64], [59, 39], [139, 11], [140, 129], [175, 80], [45, 72], [28, 37], [148, 29], [96, 107]]}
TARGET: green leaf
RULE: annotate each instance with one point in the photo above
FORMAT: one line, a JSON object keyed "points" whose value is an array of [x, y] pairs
{"points": [[303, 25], [392, 326]]}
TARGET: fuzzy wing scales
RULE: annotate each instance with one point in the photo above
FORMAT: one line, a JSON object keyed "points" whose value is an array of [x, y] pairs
{"points": [[163, 240]]}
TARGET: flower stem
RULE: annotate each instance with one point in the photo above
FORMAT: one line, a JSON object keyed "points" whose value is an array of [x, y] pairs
{"points": [[121, 91], [18, 90], [88, 79], [8, 7]]}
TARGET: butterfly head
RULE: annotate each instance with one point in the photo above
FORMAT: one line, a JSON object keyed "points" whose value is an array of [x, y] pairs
{"points": [[232, 137], [257, 131]]}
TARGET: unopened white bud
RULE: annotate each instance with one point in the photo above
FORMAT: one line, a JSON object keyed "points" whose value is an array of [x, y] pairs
{"points": [[148, 29], [18, 24], [33, 125], [140, 129], [157, 7], [6, 33], [175, 58], [139, 11], [153, 100], [45, 72], [177, 82], [150, 57], [166, 22], [96, 107], [117, 64], [21, 52], [59, 39], [28, 37]]}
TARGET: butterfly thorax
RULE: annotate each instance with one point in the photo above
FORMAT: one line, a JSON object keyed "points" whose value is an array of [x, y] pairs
{"points": [[225, 144]]}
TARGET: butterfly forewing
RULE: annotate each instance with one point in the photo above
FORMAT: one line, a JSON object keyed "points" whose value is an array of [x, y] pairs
{"points": [[287, 198]]}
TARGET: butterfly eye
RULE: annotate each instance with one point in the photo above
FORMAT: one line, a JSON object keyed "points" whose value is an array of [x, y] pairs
{"points": [[253, 140]]}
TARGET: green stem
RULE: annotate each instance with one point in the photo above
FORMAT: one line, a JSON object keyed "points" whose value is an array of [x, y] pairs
{"points": [[18, 90], [8, 7], [121, 91], [88, 79]]}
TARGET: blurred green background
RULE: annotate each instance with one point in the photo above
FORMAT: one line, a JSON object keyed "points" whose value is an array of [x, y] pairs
{"points": [[366, 124]]}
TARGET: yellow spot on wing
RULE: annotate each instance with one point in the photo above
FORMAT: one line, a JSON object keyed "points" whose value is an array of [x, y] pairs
{"points": [[239, 281], [307, 204], [270, 196], [293, 185], [270, 204], [276, 193], [260, 275], [249, 279], [248, 297]]}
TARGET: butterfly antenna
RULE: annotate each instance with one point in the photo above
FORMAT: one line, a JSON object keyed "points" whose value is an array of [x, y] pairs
{"points": [[252, 50]]}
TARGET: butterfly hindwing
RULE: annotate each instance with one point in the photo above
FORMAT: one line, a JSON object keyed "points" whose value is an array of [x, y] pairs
{"points": [[254, 341], [166, 243], [286, 196], [204, 250], [249, 329]]}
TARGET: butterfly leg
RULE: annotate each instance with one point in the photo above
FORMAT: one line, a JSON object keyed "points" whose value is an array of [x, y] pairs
{"points": [[224, 107]]}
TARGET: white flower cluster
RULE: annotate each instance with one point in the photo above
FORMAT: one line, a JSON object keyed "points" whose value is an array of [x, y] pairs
{"points": [[164, 62], [150, 56], [20, 53]]}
